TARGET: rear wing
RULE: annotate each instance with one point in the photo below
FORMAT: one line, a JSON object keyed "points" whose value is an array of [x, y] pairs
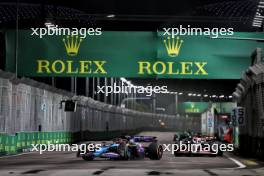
{"points": [[144, 138]]}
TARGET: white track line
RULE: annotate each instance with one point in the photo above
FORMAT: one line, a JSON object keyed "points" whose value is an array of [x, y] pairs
{"points": [[240, 165]]}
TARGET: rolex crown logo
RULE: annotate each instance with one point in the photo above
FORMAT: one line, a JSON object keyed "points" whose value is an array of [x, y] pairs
{"points": [[72, 44], [173, 46]]}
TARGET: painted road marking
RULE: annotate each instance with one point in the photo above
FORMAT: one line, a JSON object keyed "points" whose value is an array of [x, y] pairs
{"points": [[240, 165], [250, 162]]}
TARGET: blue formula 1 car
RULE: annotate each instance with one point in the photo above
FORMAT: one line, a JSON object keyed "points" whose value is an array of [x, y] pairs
{"points": [[125, 148]]}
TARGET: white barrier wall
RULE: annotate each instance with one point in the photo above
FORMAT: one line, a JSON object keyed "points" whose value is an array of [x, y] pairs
{"points": [[204, 123], [208, 122], [22, 108], [27, 105]]}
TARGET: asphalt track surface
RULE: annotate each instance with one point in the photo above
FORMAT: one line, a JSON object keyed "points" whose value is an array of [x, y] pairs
{"points": [[66, 163]]}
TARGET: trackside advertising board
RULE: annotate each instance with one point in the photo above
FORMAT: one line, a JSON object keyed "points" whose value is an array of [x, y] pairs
{"points": [[129, 54]]}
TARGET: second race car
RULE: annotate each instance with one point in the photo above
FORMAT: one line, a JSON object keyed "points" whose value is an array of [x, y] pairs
{"points": [[188, 144]]}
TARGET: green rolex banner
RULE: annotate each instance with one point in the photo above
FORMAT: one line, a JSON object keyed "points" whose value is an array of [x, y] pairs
{"points": [[203, 57], [200, 107], [129, 54], [193, 107]]}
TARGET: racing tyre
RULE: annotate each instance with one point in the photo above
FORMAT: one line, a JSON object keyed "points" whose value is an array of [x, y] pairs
{"points": [[122, 150], [155, 151], [220, 153], [78, 154], [87, 158], [178, 154]]}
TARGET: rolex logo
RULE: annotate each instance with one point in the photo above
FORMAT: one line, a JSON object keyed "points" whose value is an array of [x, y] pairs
{"points": [[173, 46], [72, 44]]}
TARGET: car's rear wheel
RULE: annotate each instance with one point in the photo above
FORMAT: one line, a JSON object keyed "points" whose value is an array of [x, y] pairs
{"points": [[78, 154], [220, 153], [87, 158], [155, 151], [178, 154]]}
